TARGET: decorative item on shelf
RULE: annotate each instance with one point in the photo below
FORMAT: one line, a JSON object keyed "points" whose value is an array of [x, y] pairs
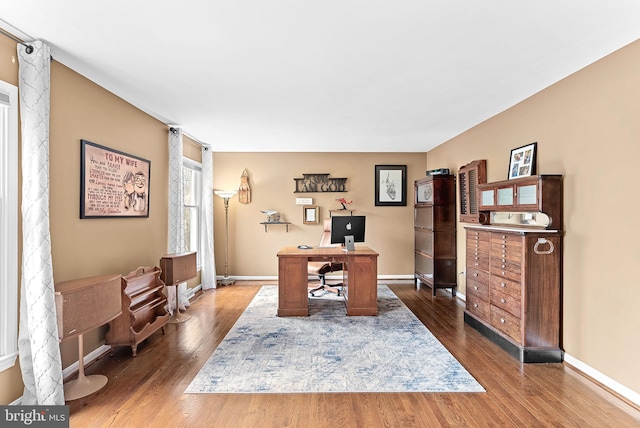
{"points": [[344, 203], [439, 171], [226, 195], [273, 216], [319, 183], [244, 192]]}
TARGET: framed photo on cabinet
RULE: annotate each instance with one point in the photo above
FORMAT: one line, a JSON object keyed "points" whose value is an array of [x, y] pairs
{"points": [[523, 161], [391, 185]]}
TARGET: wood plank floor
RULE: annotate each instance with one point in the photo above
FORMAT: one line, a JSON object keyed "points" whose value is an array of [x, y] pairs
{"points": [[147, 391]]}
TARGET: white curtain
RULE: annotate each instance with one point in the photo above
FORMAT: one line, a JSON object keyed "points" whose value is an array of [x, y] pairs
{"points": [[38, 337], [207, 259], [176, 242]]}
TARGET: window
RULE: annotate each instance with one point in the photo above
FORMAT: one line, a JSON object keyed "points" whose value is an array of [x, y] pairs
{"points": [[8, 225], [192, 185]]}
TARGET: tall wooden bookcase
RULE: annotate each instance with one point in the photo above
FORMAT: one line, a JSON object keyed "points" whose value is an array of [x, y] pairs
{"points": [[435, 232]]}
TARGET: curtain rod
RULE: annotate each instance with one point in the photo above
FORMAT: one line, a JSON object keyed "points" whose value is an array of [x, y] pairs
{"points": [[29, 48], [173, 130]]}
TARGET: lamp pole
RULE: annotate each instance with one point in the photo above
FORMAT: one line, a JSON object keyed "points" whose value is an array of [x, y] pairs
{"points": [[226, 195]]}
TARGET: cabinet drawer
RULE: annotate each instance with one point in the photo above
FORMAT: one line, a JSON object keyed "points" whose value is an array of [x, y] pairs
{"points": [[503, 285], [478, 307], [478, 262], [506, 239], [477, 275], [511, 254], [478, 236], [507, 302], [506, 323], [506, 268], [478, 289]]}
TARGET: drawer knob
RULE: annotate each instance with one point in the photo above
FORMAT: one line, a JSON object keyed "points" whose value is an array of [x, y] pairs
{"points": [[475, 287], [475, 305], [502, 300], [503, 285], [475, 274], [502, 320]]}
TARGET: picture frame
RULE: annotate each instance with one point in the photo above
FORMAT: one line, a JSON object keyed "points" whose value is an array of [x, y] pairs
{"points": [[391, 185], [310, 214], [113, 183], [522, 162]]}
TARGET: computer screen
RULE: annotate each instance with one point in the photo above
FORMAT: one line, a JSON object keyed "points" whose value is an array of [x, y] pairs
{"points": [[344, 225]]}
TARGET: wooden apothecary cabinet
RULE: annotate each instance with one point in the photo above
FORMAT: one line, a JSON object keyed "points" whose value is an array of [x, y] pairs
{"points": [[514, 271]]}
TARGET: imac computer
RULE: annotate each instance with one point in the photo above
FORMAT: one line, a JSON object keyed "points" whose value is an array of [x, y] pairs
{"points": [[347, 229]]}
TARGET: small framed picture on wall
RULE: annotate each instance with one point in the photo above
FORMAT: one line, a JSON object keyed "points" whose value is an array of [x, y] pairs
{"points": [[391, 185]]}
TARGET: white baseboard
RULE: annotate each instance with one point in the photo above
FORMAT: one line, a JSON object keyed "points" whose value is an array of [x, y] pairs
{"points": [[332, 277], [88, 359], [605, 380]]}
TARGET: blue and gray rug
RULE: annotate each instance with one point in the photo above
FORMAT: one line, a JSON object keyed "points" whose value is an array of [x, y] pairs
{"points": [[330, 352]]}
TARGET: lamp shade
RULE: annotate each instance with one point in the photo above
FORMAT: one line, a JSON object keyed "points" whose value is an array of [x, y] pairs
{"points": [[226, 194]]}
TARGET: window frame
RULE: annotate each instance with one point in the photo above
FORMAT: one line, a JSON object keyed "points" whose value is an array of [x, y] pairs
{"points": [[8, 226], [196, 166]]}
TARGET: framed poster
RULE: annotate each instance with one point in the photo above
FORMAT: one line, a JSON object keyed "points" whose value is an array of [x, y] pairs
{"points": [[112, 183], [391, 185], [523, 161]]}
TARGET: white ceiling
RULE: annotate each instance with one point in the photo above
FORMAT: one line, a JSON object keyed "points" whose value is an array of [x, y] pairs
{"points": [[332, 75]]}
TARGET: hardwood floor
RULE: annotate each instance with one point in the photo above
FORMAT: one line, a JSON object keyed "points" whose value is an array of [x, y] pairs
{"points": [[147, 391]]}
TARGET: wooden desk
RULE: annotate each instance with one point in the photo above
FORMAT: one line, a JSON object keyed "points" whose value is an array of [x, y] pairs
{"points": [[360, 279]]}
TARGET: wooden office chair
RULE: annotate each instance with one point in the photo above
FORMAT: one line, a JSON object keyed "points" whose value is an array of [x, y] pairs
{"points": [[322, 268]]}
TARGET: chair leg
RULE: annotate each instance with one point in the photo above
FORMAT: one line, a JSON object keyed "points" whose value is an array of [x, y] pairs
{"points": [[324, 286]]}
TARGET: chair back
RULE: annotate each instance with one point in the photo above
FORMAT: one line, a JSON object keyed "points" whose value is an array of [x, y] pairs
{"points": [[325, 239]]}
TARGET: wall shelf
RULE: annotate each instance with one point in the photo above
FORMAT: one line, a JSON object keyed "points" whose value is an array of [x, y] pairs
{"points": [[267, 223], [340, 211]]}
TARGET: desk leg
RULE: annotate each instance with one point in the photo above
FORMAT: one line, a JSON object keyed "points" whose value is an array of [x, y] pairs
{"points": [[361, 281], [292, 287]]}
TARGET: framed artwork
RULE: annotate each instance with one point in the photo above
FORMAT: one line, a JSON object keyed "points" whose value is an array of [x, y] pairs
{"points": [[523, 161], [310, 214], [391, 185], [112, 183]]}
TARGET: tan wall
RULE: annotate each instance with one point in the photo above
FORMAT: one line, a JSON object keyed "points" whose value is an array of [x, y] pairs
{"points": [[588, 129], [252, 252]]}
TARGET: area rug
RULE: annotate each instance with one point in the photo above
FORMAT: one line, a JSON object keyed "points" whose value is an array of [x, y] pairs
{"points": [[330, 352]]}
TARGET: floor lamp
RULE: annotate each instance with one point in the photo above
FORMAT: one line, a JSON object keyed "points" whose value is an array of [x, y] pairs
{"points": [[226, 195]]}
